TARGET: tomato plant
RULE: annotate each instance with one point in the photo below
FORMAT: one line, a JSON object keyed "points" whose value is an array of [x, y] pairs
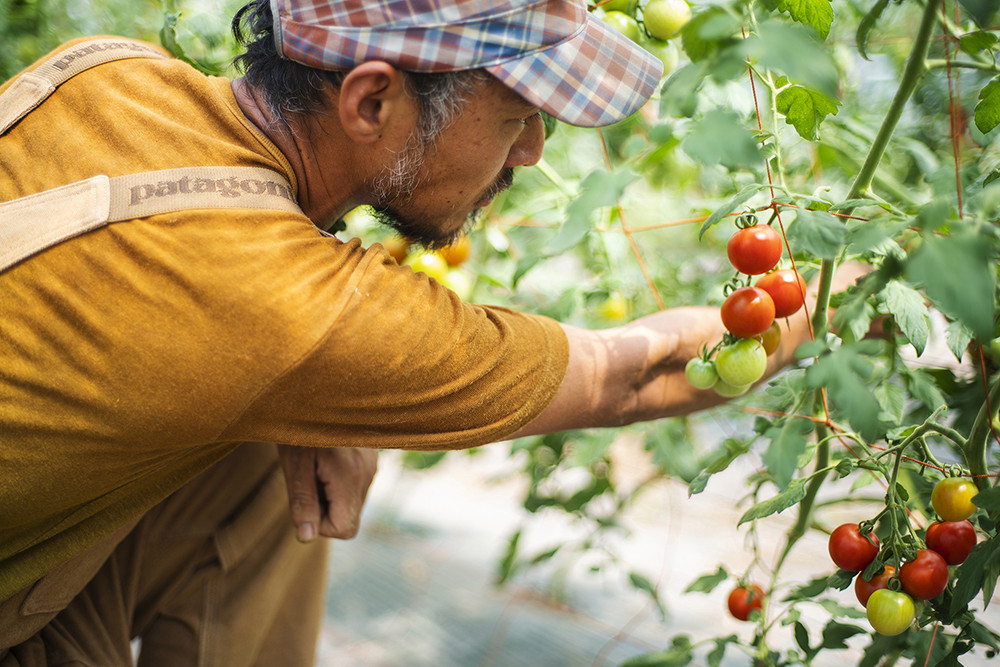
{"points": [[747, 312], [952, 539], [754, 250], [745, 599], [786, 288], [926, 576], [890, 612], [851, 550], [952, 498], [863, 588], [741, 363]]}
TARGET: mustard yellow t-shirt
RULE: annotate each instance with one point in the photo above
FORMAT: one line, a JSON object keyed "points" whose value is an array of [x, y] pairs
{"points": [[133, 357]]}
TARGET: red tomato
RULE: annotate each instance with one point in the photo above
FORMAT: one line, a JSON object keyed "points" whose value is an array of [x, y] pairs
{"points": [[787, 289], [952, 498], [754, 250], [952, 539], [890, 612], [926, 576], [744, 599], [864, 589], [851, 550], [747, 312]]}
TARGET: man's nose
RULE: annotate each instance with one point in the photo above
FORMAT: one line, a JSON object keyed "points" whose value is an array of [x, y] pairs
{"points": [[527, 150]]}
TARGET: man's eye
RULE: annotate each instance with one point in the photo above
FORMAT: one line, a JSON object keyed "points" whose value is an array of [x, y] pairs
{"points": [[537, 114]]}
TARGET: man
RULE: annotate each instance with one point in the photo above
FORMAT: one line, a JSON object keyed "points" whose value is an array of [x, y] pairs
{"points": [[167, 296]]}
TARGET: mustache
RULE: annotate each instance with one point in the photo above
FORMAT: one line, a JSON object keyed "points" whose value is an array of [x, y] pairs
{"points": [[504, 180]]}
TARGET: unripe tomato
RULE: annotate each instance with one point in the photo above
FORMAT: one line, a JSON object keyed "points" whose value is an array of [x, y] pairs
{"points": [[754, 250], [771, 338], [890, 612], [864, 589], [952, 539], [744, 599], [623, 23], [741, 363], [459, 282], [700, 373], [665, 18], [747, 312], [615, 307], [667, 52], [457, 251], [786, 288], [851, 550], [617, 5], [723, 388], [926, 576], [952, 498], [430, 263]]}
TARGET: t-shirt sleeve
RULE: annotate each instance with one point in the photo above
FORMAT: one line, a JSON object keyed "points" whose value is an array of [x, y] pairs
{"points": [[405, 364]]}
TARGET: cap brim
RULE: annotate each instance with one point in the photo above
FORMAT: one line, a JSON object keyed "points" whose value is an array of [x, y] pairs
{"points": [[596, 77]]}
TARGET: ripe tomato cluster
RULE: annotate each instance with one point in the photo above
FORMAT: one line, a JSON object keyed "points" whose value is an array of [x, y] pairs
{"points": [[888, 595], [750, 313]]}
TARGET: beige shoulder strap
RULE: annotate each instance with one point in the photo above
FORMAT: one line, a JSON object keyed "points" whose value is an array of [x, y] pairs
{"points": [[31, 88], [31, 224]]}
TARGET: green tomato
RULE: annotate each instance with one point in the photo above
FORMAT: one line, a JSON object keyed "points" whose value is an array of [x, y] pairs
{"points": [[459, 282], [890, 612], [618, 6], [723, 388], [667, 52], [700, 373], [665, 18], [430, 263], [623, 23], [741, 363]]}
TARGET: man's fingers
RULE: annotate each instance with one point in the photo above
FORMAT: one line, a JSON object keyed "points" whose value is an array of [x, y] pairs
{"points": [[299, 466], [345, 475]]}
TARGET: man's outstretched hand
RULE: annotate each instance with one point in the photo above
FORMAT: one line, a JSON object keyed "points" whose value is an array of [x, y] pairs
{"points": [[327, 488]]}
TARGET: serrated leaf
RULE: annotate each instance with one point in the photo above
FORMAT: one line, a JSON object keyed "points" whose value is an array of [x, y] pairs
{"points": [[892, 401], [988, 499], [719, 137], [957, 273], [714, 657], [866, 24], [815, 13], [598, 190], [707, 32], [971, 575], [844, 374], [731, 450], [818, 233], [678, 95], [795, 492], [988, 108], [805, 109], [810, 590], [795, 51], [909, 309], [835, 634], [707, 583], [788, 441], [735, 202]]}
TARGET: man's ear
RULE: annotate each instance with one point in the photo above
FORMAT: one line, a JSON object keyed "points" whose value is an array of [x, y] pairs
{"points": [[371, 96]]}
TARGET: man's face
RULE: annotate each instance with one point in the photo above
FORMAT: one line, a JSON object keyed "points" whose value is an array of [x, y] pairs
{"points": [[433, 188]]}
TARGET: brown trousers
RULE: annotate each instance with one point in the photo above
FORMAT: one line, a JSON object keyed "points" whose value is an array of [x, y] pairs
{"points": [[213, 576]]}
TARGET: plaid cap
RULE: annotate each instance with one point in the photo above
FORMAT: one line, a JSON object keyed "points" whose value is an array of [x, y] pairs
{"points": [[554, 53]]}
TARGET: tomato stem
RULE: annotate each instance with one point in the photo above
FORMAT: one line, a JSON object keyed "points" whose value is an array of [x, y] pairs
{"points": [[975, 446]]}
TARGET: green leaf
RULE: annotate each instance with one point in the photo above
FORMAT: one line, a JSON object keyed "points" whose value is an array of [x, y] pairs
{"points": [[735, 202], [815, 13], [802, 637], [866, 25], [810, 590], [788, 441], [972, 574], [794, 50], [957, 273], [707, 583], [708, 32], [818, 233], [642, 583], [714, 657], [974, 42], [835, 634], [804, 109], [988, 108], [908, 308], [508, 561], [680, 653], [988, 499], [598, 190], [844, 374], [731, 450], [678, 95], [720, 137], [795, 492]]}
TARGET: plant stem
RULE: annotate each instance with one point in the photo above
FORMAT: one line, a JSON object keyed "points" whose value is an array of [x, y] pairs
{"points": [[975, 449]]}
